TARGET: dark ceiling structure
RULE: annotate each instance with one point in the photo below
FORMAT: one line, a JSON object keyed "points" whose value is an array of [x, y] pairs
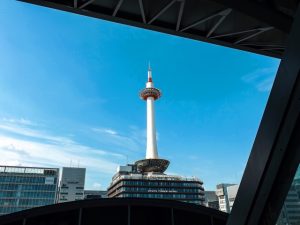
{"points": [[267, 27], [117, 211], [257, 26]]}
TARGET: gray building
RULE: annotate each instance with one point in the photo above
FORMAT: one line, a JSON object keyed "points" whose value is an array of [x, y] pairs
{"points": [[211, 199], [71, 187], [226, 194], [27, 187], [93, 194]]}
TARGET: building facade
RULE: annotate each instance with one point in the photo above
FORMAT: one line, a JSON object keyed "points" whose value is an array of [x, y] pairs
{"points": [[226, 195], [290, 213], [93, 194], [27, 187], [132, 184], [146, 178], [71, 187], [211, 200]]}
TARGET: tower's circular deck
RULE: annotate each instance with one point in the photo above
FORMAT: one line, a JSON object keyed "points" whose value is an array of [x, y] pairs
{"points": [[150, 92], [152, 165]]}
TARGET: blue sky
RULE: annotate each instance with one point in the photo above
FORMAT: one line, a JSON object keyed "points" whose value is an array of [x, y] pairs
{"points": [[69, 95]]}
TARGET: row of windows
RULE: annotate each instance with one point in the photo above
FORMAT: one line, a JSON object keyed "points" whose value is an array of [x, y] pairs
{"points": [[22, 179], [25, 202], [163, 196], [161, 183], [292, 206], [193, 201], [143, 189], [28, 187], [29, 194], [5, 210]]}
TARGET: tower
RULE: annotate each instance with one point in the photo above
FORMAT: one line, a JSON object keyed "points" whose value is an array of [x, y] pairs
{"points": [[152, 163], [146, 178]]}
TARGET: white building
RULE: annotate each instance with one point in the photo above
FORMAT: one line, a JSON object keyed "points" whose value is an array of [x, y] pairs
{"points": [[71, 184], [226, 194]]}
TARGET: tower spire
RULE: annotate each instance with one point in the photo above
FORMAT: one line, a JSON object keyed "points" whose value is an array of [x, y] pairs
{"points": [[149, 73]]}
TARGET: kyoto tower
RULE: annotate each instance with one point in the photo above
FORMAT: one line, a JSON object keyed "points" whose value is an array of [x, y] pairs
{"points": [[152, 163]]}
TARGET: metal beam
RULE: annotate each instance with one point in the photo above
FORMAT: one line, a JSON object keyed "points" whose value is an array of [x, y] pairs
{"points": [[260, 12], [272, 48], [182, 3], [224, 15], [142, 10], [204, 19], [117, 8], [263, 45], [238, 32], [162, 11], [86, 4], [134, 21], [75, 3], [275, 154], [261, 30]]}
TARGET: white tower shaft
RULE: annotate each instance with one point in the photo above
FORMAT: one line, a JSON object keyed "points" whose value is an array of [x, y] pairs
{"points": [[151, 152], [150, 94]]}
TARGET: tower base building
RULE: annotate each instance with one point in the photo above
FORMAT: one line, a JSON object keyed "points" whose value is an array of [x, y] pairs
{"points": [[128, 182]]}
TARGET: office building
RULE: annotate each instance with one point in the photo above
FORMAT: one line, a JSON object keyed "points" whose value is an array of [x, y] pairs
{"points": [[27, 187], [290, 212], [93, 194], [211, 199], [226, 194], [146, 178], [71, 186]]}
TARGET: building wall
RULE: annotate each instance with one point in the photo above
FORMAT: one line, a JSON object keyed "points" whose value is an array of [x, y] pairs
{"points": [[226, 194], [93, 194], [131, 184], [27, 187], [72, 184], [211, 200], [290, 213]]}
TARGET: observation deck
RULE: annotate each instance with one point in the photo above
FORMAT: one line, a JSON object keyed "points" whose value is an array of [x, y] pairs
{"points": [[150, 92]]}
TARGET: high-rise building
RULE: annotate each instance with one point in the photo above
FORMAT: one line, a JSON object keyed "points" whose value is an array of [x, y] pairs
{"points": [[71, 186], [27, 187], [226, 194], [290, 212], [94, 194], [211, 200], [146, 178]]}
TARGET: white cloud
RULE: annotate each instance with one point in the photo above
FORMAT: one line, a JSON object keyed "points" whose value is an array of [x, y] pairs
{"points": [[134, 140], [262, 78], [97, 186], [21, 121], [105, 130], [20, 144]]}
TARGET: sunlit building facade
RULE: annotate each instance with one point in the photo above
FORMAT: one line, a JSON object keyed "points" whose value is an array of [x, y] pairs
{"points": [[132, 184], [226, 194], [27, 187], [71, 187]]}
